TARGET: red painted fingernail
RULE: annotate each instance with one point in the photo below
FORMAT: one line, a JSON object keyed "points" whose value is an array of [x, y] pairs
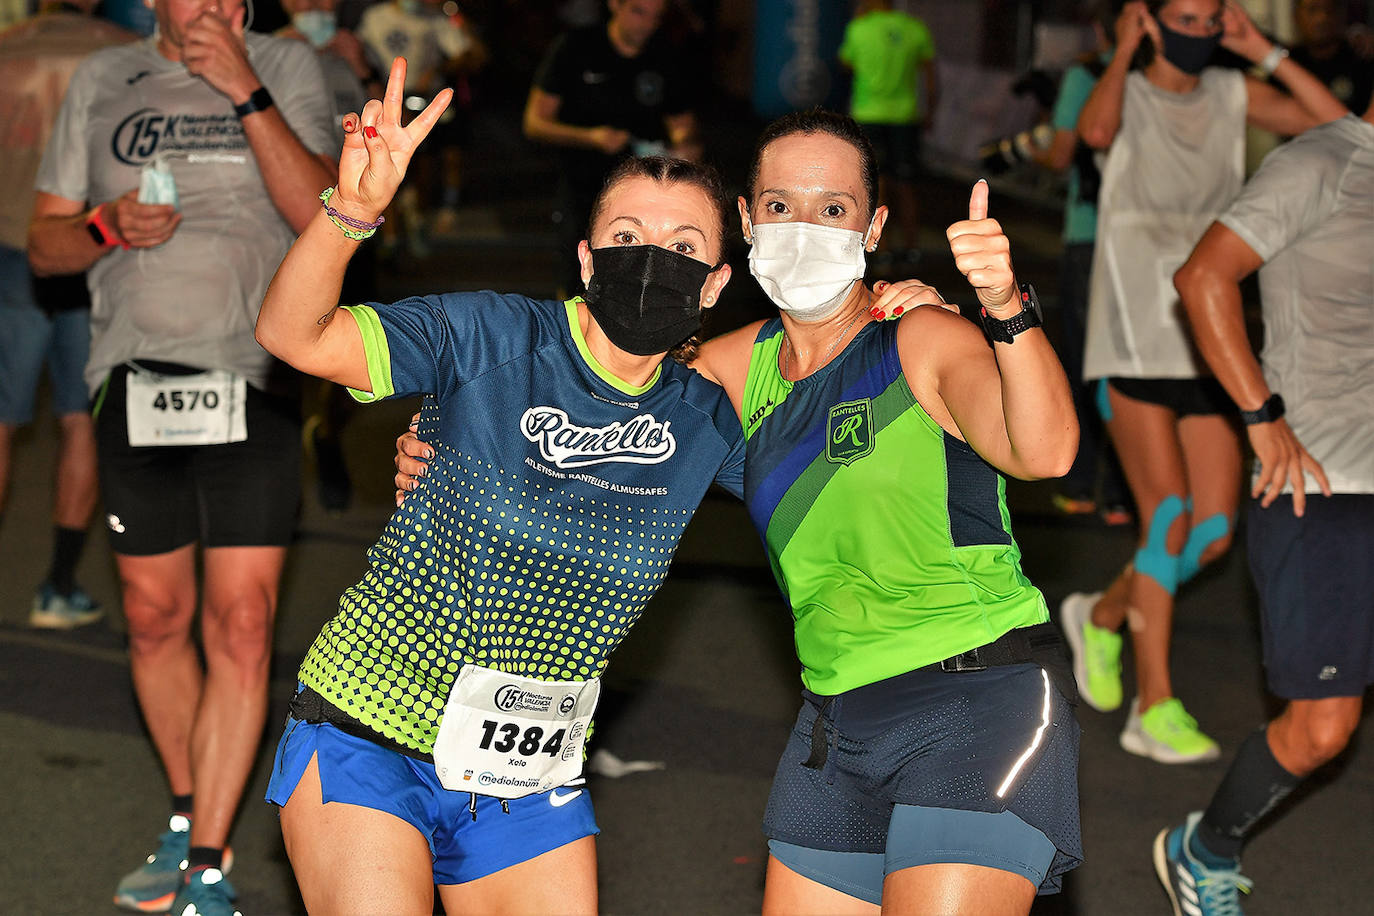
{"points": [[880, 316], [898, 310], [370, 132], [874, 312], [349, 125]]}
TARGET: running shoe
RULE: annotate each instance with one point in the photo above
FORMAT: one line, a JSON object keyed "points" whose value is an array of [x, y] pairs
{"points": [[1073, 505], [52, 611], [151, 887], [1195, 889], [1114, 515], [206, 892], [1167, 734], [1096, 652]]}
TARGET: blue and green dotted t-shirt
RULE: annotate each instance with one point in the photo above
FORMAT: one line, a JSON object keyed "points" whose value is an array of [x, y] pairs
{"points": [[549, 515]]}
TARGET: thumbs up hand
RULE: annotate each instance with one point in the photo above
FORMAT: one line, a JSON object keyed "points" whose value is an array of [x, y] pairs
{"points": [[983, 255]]}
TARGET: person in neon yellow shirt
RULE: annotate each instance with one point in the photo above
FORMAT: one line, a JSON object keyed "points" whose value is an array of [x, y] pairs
{"points": [[892, 55]]}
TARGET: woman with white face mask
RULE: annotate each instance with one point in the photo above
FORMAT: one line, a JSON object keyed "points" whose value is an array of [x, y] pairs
{"points": [[1174, 132], [873, 472], [933, 747]]}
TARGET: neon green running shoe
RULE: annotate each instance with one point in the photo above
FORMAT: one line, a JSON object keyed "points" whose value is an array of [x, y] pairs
{"points": [[1167, 734], [1096, 653]]}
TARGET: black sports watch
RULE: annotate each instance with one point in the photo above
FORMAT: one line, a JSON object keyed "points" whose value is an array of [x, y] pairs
{"points": [[1268, 412], [260, 100], [1005, 330]]}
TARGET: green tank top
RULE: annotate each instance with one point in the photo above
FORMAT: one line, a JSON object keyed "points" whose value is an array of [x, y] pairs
{"points": [[889, 537]]}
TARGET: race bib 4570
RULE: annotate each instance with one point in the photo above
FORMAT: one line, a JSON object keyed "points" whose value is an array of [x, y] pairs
{"points": [[207, 408]]}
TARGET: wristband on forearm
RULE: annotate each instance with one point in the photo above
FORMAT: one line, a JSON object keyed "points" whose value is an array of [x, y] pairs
{"points": [[1270, 62], [101, 232], [353, 228]]}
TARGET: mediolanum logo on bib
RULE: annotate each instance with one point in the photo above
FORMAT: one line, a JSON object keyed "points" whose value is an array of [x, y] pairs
{"points": [[849, 432], [641, 440]]}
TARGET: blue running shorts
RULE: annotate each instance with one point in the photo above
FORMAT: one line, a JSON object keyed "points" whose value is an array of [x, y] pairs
{"points": [[1002, 739], [355, 771]]}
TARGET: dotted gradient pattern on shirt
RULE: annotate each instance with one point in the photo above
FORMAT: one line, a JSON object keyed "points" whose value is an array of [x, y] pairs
{"points": [[484, 564]]}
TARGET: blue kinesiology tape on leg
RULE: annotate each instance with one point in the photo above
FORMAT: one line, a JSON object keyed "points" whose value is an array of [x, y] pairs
{"points": [[1104, 405], [1203, 535], [1154, 559]]}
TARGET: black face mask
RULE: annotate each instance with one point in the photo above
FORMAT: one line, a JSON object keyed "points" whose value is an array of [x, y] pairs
{"points": [[646, 299], [1188, 53]]}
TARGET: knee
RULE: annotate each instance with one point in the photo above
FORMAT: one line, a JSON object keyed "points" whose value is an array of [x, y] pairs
{"points": [[1162, 542], [156, 618], [238, 630], [1207, 540], [1327, 736], [1319, 733]]}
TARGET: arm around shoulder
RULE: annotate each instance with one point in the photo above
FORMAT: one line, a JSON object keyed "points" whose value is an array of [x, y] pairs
{"points": [[725, 361]]}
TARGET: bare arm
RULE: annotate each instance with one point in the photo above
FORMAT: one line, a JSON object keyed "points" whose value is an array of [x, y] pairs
{"points": [[1310, 104], [1209, 285], [215, 51], [1059, 155], [1100, 118], [1307, 103], [541, 123], [60, 243], [725, 361], [300, 321], [1012, 403]]}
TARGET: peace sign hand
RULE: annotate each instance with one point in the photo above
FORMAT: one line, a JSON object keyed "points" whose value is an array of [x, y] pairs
{"points": [[983, 254], [377, 148]]}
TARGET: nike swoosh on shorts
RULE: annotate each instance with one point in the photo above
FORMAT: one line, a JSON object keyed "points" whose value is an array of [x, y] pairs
{"points": [[559, 801]]}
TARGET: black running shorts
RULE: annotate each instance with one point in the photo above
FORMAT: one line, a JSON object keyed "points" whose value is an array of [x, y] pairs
{"points": [[159, 498]]}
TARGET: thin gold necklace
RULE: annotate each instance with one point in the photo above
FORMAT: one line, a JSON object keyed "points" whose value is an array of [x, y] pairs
{"points": [[787, 351]]}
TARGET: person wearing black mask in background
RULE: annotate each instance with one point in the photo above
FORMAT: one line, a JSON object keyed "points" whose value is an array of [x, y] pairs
{"points": [[1175, 134]]}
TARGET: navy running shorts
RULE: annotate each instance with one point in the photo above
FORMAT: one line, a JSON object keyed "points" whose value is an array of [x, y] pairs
{"points": [[925, 836], [1316, 587], [355, 771], [159, 498], [1000, 739]]}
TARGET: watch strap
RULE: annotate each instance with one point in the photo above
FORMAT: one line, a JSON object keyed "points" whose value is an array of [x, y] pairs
{"points": [[260, 100], [1004, 330], [1271, 410], [101, 231]]}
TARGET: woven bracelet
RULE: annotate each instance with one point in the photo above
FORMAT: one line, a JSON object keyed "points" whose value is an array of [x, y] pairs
{"points": [[351, 227]]}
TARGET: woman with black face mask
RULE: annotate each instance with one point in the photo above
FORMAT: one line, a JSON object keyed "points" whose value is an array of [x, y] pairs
{"points": [[437, 735], [1174, 132]]}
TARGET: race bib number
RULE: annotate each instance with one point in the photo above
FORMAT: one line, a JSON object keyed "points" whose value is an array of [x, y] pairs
{"points": [[509, 736], [207, 408]]}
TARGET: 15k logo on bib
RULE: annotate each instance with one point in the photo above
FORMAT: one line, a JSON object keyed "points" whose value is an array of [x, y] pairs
{"points": [[849, 432]]}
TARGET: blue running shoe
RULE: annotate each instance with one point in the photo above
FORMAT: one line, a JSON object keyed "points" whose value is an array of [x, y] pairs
{"points": [[151, 887], [52, 611], [1195, 889], [206, 893]]}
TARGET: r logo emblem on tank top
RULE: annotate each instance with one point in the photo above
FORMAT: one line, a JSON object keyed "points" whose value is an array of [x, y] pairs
{"points": [[849, 432]]}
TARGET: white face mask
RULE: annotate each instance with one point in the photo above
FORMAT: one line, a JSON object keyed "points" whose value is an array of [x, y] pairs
{"points": [[318, 26], [806, 269]]}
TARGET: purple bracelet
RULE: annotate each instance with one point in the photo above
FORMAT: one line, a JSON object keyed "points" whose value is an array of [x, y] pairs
{"points": [[351, 222]]}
